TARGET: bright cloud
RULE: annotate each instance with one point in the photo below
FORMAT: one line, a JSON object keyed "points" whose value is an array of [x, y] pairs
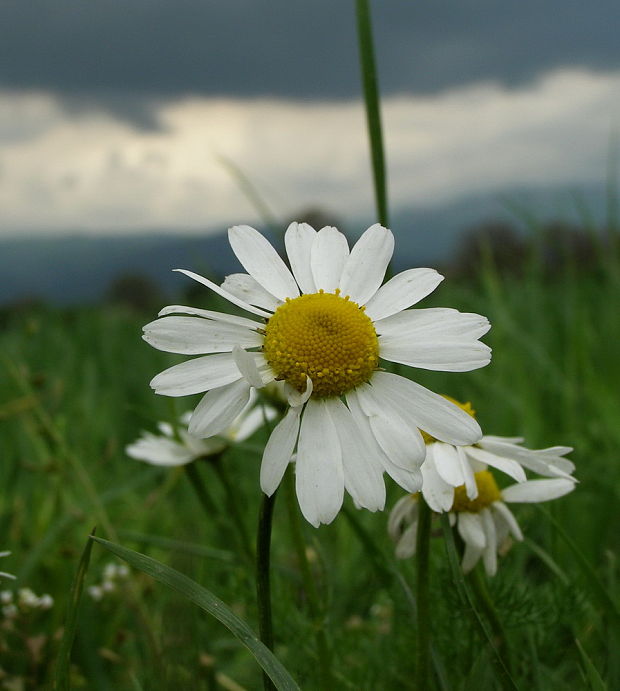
{"points": [[87, 171]]}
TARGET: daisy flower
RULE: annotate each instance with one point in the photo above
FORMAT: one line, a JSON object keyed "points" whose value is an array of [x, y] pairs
{"points": [[448, 466], [484, 523], [322, 327], [166, 449]]}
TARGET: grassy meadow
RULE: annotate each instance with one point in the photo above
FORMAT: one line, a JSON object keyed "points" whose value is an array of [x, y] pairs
{"points": [[74, 391]]}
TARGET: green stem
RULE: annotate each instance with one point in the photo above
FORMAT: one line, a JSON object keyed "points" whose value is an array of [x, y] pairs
{"points": [[314, 602], [232, 503], [423, 637], [479, 586], [263, 580], [373, 112]]}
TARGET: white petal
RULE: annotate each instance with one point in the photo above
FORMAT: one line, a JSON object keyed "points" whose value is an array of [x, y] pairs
{"points": [[442, 324], [365, 268], [262, 262], [298, 240], [471, 488], [218, 409], [295, 398], [194, 336], [224, 293], [250, 290], [489, 555], [410, 480], [547, 462], [438, 356], [470, 556], [438, 494], [402, 291], [318, 470], [251, 420], [407, 544], [159, 451], [246, 362], [197, 375], [327, 258], [401, 442], [209, 314], [363, 478], [534, 491], [506, 465], [448, 464], [279, 450], [470, 529], [405, 510], [508, 518], [427, 410]]}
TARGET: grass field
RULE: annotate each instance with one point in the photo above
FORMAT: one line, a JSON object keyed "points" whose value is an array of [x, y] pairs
{"points": [[74, 391]]}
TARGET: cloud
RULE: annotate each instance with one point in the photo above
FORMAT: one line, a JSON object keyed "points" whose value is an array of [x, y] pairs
{"points": [[284, 49], [86, 170]]}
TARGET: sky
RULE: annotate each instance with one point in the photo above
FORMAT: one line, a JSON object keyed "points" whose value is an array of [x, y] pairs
{"points": [[122, 116]]}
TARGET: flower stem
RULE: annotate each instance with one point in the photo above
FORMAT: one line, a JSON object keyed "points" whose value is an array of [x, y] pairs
{"points": [[423, 637], [373, 112], [263, 580], [314, 602]]}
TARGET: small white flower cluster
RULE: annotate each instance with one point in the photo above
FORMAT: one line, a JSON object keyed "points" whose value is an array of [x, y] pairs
{"points": [[112, 574], [25, 600]]}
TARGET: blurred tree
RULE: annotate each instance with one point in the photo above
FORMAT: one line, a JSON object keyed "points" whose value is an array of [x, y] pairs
{"points": [[135, 291]]}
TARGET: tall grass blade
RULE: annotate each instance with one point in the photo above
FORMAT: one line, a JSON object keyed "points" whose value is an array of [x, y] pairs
{"points": [[63, 661], [373, 111], [211, 604]]}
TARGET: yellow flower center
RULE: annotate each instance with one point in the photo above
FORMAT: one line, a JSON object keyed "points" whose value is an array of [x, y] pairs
{"points": [[488, 492], [467, 407], [325, 337]]}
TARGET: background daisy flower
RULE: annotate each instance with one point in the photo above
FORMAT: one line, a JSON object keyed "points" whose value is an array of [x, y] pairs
{"points": [[168, 449], [484, 523], [322, 327]]}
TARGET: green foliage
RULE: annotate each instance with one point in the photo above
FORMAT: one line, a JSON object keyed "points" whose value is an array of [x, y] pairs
{"points": [[74, 391]]}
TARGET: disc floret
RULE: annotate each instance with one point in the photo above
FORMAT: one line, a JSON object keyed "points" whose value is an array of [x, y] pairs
{"points": [[325, 337], [488, 493]]}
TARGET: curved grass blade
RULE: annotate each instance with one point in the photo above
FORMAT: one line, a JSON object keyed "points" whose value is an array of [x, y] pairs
{"points": [[61, 676], [211, 604]]}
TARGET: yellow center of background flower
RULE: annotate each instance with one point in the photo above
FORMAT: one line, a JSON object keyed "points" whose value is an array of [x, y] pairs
{"points": [[467, 407], [488, 492], [325, 337]]}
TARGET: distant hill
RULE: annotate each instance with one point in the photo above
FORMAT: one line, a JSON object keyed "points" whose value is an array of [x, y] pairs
{"points": [[79, 269]]}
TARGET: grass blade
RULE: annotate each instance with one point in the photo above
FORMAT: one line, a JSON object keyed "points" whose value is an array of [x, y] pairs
{"points": [[373, 112], [63, 661], [211, 604], [595, 681]]}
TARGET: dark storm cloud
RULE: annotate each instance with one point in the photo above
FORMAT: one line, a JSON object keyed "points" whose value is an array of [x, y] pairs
{"points": [[291, 48]]}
